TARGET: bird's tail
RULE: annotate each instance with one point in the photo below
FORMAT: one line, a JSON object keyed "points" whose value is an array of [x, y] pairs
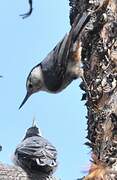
{"points": [[82, 19], [79, 24]]}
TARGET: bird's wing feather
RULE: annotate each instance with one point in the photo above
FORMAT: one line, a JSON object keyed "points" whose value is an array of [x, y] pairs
{"points": [[36, 147], [58, 59], [51, 68]]}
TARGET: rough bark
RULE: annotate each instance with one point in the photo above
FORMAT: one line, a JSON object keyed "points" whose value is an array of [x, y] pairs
{"points": [[99, 59], [16, 173], [77, 8]]}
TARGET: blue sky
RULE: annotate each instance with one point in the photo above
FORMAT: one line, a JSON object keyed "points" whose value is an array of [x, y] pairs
{"points": [[61, 117]]}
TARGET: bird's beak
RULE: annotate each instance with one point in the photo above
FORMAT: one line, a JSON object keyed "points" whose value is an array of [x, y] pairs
{"points": [[25, 99]]}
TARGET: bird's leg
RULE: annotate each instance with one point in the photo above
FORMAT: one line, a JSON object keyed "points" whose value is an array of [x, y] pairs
{"points": [[84, 81], [76, 57], [29, 12]]}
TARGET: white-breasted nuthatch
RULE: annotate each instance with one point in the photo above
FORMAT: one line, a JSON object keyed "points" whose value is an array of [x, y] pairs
{"points": [[61, 66], [35, 154]]}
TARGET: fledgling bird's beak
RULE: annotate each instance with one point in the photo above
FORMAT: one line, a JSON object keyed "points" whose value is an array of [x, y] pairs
{"points": [[25, 99]]}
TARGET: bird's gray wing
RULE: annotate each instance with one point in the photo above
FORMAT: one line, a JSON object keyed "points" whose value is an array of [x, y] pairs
{"points": [[37, 154], [57, 60], [36, 147], [52, 66]]}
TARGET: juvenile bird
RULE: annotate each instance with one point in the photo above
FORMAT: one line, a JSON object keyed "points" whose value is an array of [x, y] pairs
{"points": [[61, 66], [35, 154]]}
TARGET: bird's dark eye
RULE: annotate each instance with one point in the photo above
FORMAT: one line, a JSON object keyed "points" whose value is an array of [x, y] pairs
{"points": [[30, 85]]}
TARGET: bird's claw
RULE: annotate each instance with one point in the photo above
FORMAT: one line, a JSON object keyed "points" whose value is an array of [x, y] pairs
{"points": [[30, 10], [26, 14]]}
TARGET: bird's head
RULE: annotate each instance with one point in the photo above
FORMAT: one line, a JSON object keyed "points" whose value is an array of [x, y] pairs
{"points": [[33, 130], [34, 83], [35, 80]]}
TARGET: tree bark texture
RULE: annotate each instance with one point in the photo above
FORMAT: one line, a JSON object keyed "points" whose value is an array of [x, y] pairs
{"points": [[99, 58], [8, 172]]}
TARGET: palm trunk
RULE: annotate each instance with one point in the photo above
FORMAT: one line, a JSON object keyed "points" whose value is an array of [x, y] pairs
{"points": [[99, 59]]}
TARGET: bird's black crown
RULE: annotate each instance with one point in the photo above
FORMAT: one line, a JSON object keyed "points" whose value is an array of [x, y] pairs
{"points": [[32, 131]]}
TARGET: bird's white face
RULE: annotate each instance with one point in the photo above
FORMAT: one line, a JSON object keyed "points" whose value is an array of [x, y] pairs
{"points": [[35, 81]]}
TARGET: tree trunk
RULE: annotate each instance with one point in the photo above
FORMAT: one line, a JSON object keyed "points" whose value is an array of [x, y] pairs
{"points": [[99, 58], [16, 173]]}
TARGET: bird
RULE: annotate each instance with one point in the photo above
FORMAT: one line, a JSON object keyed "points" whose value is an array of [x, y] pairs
{"points": [[35, 154], [61, 66], [30, 10]]}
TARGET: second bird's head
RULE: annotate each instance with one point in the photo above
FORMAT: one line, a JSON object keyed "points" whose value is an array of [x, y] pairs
{"points": [[34, 83]]}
